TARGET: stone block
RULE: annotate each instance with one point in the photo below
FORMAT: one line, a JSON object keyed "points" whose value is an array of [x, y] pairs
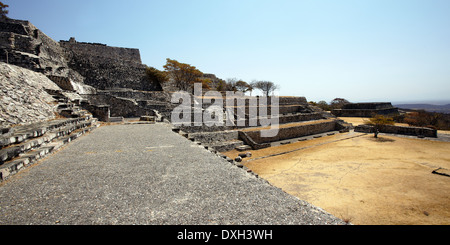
{"points": [[243, 148]]}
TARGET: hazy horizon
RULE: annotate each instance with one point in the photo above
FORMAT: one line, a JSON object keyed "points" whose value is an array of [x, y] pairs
{"points": [[381, 50]]}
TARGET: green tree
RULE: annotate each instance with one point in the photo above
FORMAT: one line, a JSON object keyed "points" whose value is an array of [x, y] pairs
{"points": [[242, 86], [156, 76], [3, 11], [323, 105], [379, 120], [206, 83], [183, 75], [338, 103], [221, 86]]}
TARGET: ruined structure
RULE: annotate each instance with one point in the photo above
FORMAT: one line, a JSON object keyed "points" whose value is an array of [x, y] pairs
{"points": [[296, 119], [105, 67], [22, 44], [98, 73], [54, 92], [366, 109], [392, 129]]}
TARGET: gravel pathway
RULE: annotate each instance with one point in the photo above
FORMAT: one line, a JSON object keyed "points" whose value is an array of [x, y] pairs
{"points": [[146, 174]]}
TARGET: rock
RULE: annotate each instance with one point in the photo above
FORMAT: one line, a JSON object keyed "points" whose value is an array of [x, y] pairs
{"points": [[238, 159], [243, 148], [242, 155], [23, 96]]}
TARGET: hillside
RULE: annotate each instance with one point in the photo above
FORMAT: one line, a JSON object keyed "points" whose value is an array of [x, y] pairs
{"points": [[426, 107]]}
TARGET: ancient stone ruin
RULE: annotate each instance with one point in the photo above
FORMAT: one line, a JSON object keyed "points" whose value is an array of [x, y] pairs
{"points": [[365, 109], [53, 92], [295, 119]]}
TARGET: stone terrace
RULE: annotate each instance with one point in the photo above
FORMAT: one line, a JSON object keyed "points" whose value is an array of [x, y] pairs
{"points": [[153, 176], [296, 119]]}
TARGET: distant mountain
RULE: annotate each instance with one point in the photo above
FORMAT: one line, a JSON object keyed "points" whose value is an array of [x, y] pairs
{"points": [[426, 107]]}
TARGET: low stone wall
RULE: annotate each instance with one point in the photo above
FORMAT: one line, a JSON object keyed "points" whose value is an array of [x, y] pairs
{"points": [[282, 109], [212, 137], [391, 129], [299, 117], [139, 95], [293, 132], [283, 119], [249, 141], [363, 112], [119, 107], [369, 106], [292, 100], [101, 112]]}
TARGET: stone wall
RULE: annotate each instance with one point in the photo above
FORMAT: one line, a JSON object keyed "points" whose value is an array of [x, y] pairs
{"points": [[391, 129], [364, 112], [368, 106], [106, 67], [101, 53], [365, 109], [212, 137], [101, 112], [119, 107], [138, 95], [293, 132]]}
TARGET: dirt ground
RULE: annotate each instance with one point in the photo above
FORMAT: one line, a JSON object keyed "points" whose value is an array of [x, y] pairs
{"points": [[363, 180]]}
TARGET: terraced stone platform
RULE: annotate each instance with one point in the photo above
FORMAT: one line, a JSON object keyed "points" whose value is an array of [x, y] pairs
{"points": [[146, 174]]}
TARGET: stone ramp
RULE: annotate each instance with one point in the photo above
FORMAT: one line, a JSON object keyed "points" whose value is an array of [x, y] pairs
{"points": [[146, 174]]}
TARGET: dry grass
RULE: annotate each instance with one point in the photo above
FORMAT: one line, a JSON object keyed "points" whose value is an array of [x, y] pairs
{"points": [[363, 180]]}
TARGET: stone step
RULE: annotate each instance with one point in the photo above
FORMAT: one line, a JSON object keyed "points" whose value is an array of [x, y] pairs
{"points": [[116, 119], [26, 140], [74, 112], [224, 146], [24, 159], [19, 134]]}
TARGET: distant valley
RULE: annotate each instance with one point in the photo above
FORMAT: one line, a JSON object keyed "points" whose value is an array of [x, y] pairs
{"points": [[426, 107]]}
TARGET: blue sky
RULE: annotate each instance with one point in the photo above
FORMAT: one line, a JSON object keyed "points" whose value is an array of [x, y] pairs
{"points": [[361, 50]]}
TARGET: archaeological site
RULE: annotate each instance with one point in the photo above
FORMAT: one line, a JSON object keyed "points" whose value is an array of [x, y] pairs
{"points": [[57, 93], [80, 84]]}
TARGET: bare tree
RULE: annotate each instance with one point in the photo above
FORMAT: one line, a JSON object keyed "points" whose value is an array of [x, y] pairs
{"points": [[267, 87], [231, 84]]}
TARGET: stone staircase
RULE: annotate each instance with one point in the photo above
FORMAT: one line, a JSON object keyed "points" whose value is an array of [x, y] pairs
{"points": [[23, 145]]}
